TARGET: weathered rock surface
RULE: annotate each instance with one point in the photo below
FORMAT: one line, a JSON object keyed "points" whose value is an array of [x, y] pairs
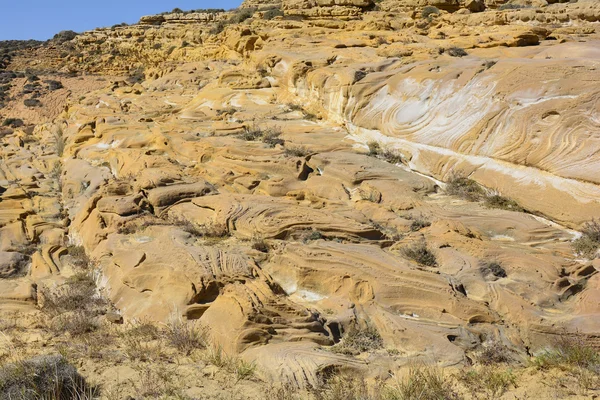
{"points": [[227, 179]]}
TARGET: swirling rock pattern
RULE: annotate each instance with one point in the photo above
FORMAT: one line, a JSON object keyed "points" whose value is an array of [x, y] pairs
{"points": [[232, 185]]}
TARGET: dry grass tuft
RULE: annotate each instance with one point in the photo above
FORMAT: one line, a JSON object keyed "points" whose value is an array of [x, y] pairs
{"points": [[187, 336], [422, 383], [241, 368], [268, 135], [569, 352], [465, 188], [490, 381], [44, 377], [359, 340], [589, 242], [420, 253]]}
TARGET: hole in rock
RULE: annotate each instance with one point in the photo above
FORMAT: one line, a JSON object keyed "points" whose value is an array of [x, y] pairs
{"points": [[334, 328]]}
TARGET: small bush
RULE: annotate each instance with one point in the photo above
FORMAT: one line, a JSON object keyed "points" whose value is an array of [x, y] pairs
{"points": [[429, 11], [421, 254], [186, 336], [456, 52], [77, 293], [419, 223], [217, 28], [359, 340], [269, 136], [375, 150], [492, 268], [75, 323], [242, 14], [208, 230], [503, 203], [79, 257], [272, 13], [296, 151], [465, 188], [44, 377], [588, 244], [493, 353], [64, 36]]}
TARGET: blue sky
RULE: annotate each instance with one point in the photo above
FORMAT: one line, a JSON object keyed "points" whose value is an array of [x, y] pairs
{"points": [[41, 19]]}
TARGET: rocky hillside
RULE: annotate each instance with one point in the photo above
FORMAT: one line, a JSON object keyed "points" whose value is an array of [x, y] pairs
{"points": [[318, 198]]}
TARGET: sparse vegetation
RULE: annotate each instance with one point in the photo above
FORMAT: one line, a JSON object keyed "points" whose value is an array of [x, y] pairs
{"points": [[268, 135], [569, 352], [391, 156], [419, 223], [492, 353], [465, 188], [359, 340], [588, 243], [272, 13], [487, 382], [503, 203], [241, 15], [492, 268], [241, 368], [187, 336], [423, 383], [344, 387], [296, 151], [420, 253], [44, 377]]}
